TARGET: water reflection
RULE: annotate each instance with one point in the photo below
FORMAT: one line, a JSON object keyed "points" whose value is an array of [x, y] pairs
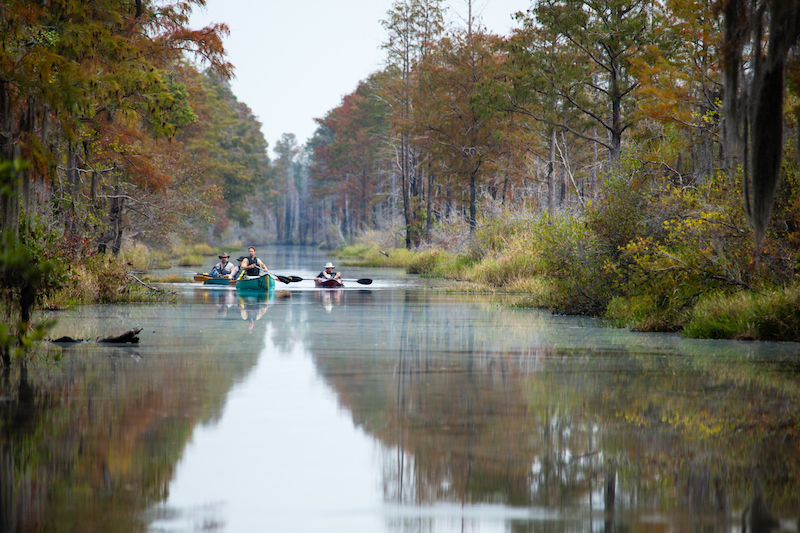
{"points": [[408, 411], [491, 407], [253, 307], [91, 433], [329, 298]]}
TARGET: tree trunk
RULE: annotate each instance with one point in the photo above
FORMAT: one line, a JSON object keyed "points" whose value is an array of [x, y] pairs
{"points": [[551, 179], [116, 213], [429, 207], [473, 215], [766, 136]]}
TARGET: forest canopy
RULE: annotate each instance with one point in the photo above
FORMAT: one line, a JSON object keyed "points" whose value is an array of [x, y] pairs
{"points": [[124, 133]]}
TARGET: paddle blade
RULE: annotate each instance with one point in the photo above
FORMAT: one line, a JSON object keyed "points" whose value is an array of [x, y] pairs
{"points": [[364, 281], [294, 278], [283, 279]]}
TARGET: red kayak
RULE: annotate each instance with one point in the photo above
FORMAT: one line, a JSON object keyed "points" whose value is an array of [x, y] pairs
{"points": [[329, 283]]}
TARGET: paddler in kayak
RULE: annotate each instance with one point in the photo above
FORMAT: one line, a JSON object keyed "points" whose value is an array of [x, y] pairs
{"points": [[328, 274]]}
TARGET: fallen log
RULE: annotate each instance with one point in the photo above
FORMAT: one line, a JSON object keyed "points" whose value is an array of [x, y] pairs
{"points": [[129, 337], [156, 289], [66, 340]]}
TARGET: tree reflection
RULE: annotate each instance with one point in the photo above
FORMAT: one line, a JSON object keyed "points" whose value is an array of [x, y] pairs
{"points": [[469, 416], [91, 441]]}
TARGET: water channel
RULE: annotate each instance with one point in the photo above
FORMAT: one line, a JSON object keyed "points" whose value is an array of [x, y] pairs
{"points": [[390, 407]]}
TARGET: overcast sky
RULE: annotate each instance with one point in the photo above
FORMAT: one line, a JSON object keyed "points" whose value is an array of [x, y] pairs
{"points": [[296, 59]]}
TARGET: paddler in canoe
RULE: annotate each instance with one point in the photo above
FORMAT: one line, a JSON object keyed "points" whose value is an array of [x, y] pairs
{"points": [[252, 265], [329, 278], [223, 269], [237, 270]]}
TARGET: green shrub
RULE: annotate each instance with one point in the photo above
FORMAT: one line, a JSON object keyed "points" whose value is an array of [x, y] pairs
{"points": [[644, 313], [569, 255]]}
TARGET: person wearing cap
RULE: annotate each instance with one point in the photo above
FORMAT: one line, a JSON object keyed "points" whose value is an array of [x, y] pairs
{"points": [[328, 273], [237, 269], [222, 269]]}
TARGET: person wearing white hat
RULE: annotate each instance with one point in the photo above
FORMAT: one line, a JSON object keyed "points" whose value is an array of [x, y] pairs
{"points": [[328, 273]]}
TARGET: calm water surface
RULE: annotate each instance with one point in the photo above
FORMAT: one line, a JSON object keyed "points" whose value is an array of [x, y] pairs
{"points": [[390, 408]]}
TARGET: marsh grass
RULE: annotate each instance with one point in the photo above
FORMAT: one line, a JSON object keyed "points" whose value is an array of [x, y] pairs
{"points": [[191, 260], [369, 255], [509, 269], [425, 262], [101, 280], [538, 292], [775, 315], [200, 249]]}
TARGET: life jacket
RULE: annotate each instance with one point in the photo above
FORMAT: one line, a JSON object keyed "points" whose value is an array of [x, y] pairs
{"points": [[252, 267], [223, 270]]}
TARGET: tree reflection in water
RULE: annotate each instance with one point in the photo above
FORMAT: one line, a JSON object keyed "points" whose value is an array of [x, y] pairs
{"points": [[90, 434], [470, 416], [558, 424]]}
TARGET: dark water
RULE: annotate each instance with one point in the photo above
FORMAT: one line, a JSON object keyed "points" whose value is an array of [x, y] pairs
{"points": [[390, 408]]}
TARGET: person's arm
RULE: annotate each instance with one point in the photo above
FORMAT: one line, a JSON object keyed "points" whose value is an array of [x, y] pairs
{"points": [[262, 265], [338, 275]]}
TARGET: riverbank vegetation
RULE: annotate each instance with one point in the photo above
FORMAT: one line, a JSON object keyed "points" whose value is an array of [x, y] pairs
{"points": [[616, 159], [620, 158], [654, 257]]}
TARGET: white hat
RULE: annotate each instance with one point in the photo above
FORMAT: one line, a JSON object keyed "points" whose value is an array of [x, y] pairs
{"points": [[329, 265]]}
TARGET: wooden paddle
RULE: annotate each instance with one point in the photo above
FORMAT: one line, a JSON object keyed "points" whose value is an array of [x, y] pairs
{"points": [[362, 281]]}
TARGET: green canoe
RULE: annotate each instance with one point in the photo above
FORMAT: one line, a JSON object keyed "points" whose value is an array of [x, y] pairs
{"points": [[256, 283]]}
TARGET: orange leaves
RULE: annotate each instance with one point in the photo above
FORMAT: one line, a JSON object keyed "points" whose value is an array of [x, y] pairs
{"points": [[205, 43]]}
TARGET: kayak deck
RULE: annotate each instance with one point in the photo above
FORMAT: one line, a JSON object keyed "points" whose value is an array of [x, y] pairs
{"points": [[329, 283]]}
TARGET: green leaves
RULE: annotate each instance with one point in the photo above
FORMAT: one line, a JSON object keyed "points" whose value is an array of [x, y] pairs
{"points": [[224, 138]]}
